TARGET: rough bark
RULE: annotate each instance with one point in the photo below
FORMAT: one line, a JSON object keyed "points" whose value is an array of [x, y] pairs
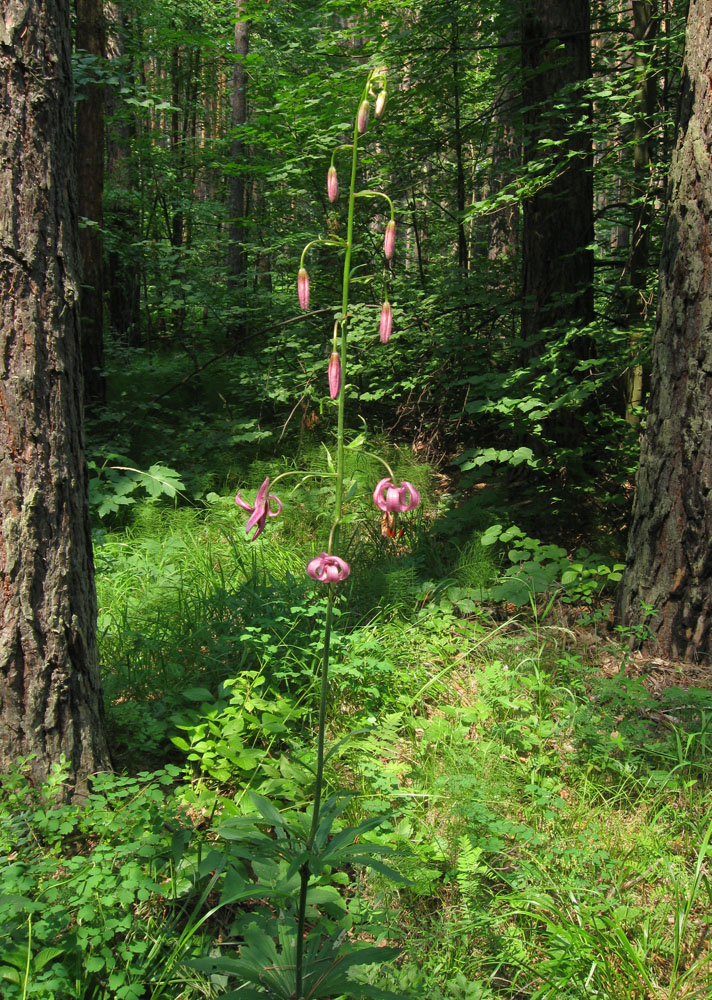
{"points": [[50, 688], [90, 37], [667, 584], [557, 219]]}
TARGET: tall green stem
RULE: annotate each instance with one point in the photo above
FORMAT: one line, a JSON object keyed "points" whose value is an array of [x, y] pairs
{"points": [[338, 500], [305, 870]]}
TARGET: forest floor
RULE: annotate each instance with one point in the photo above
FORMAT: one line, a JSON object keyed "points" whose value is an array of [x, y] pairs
{"points": [[546, 790]]}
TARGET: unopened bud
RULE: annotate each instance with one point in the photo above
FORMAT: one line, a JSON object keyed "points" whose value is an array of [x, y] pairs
{"points": [[363, 113], [389, 240], [332, 185], [386, 322], [334, 375], [380, 103], [303, 288]]}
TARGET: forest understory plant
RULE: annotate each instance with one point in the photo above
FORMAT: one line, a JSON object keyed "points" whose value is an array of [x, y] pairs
{"points": [[301, 946]]}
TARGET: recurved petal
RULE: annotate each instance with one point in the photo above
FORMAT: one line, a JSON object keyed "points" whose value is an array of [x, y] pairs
{"points": [[414, 496], [378, 497], [273, 513], [243, 503]]}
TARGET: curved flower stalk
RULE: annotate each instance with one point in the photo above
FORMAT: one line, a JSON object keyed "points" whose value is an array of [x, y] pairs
{"points": [[392, 499], [260, 510], [328, 568]]}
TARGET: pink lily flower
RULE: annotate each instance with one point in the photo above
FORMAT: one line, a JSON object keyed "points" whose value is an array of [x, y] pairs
{"points": [[261, 509], [327, 568], [391, 499]]}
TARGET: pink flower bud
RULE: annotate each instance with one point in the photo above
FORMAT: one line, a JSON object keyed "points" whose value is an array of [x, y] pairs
{"points": [[303, 288], [389, 240], [334, 375], [386, 322], [380, 103], [332, 185], [363, 112]]}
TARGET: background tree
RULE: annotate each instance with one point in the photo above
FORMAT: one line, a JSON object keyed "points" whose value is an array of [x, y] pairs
{"points": [[236, 254], [557, 222], [91, 46], [50, 689], [667, 586]]}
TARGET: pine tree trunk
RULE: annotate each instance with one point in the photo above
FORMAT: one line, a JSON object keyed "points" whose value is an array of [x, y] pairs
{"points": [[669, 563], [50, 687]]}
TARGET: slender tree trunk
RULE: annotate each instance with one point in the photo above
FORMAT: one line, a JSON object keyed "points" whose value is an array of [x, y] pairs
{"points": [[503, 237], [462, 254], [90, 37], [237, 235], [122, 276], [50, 687], [557, 220], [644, 29], [667, 584]]}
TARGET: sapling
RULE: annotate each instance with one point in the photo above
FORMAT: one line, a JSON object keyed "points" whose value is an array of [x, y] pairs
{"points": [[316, 964]]}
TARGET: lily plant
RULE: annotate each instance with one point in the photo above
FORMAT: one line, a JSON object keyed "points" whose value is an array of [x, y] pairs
{"points": [[308, 969]]}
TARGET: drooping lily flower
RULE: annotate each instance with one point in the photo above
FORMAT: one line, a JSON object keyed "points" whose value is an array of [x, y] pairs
{"points": [[261, 509], [328, 569], [332, 184], [303, 288], [380, 103], [391, 499], [334, 375], [386, 322], [389, 240]]}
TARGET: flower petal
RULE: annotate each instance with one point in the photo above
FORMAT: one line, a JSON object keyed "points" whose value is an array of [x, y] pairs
{"points": [[243, 503], [261, 498], [274, 513], [378, 497], [257, 517], [414, 496]]}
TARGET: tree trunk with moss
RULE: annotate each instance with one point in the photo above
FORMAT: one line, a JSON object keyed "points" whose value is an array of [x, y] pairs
{"points": [[667, 584], [50, 689]]}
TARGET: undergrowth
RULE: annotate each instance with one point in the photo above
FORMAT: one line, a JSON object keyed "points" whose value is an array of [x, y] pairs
{"points": [[552, 818]]}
